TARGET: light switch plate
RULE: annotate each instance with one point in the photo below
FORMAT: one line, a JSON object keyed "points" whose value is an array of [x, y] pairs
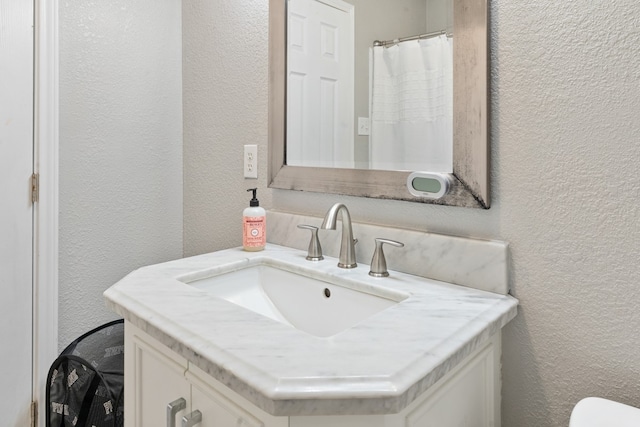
{"points": [[363, 125]]}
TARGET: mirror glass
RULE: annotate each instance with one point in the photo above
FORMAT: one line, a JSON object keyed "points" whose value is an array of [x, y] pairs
{"points": [[370, 84]]}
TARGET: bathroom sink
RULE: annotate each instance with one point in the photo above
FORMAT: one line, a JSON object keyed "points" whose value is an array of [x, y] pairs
{"points": [[311, 305]]}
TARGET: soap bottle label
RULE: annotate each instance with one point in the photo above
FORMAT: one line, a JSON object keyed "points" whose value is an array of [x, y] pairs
{"points": [[254, 231]]}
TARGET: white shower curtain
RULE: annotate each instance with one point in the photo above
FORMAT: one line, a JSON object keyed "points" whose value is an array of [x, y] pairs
{"points": [[411, 90]]}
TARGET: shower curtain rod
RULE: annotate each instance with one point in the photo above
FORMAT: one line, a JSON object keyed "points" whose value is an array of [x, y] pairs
{"points": [[404, 39]]}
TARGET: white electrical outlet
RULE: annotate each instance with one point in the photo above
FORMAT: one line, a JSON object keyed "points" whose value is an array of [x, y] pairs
{"points": [[251, 161]]}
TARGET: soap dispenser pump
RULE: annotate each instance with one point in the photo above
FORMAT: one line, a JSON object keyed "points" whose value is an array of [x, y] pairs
{"points": [[254, 225]]}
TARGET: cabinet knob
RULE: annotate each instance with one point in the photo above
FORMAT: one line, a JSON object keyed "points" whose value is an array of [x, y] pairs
{"points": [[192, 419], [172, 409]]}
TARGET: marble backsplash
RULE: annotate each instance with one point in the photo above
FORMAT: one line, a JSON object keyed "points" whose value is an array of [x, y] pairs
{"points": [[479, 264]]}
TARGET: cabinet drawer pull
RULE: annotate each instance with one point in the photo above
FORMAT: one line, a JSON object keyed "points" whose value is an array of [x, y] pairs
{"points": [[192, 419], [172, 409]]}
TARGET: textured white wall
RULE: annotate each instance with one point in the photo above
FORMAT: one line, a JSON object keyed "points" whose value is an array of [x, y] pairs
{"points": [[225, 77], [120, 149], [565, 129], [566, 136]]}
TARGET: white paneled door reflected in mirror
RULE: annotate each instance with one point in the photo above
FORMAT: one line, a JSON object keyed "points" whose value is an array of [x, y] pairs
{"points": [[363, 93]]}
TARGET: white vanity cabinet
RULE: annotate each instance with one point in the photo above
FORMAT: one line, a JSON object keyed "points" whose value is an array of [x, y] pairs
{"points": [[468, 395], [155, 376]]}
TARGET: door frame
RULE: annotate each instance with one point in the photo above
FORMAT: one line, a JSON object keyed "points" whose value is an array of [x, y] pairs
{"points": [[45, 224]]}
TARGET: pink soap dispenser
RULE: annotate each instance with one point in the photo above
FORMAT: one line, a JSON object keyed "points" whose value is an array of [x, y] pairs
{"points": [[254, 225]]}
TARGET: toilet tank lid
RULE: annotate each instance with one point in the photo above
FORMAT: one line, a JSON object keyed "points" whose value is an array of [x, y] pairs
{"points": [[598, 412]]}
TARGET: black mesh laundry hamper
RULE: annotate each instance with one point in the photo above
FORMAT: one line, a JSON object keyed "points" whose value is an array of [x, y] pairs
{"points": [[85, 383]]}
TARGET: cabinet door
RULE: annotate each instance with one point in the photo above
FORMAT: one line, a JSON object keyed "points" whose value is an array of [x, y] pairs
{"points": [[217, 410], [154, 379], [469, 397]]}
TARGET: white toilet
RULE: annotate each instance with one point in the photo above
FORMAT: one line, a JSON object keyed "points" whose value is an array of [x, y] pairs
{"points": [[598, 412]]}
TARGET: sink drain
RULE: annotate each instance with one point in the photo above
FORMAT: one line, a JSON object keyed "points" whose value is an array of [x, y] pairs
{"points": [[327, 292]]}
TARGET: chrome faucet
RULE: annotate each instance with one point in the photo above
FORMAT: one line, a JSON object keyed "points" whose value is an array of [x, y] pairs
{"points": [[347, 246]]}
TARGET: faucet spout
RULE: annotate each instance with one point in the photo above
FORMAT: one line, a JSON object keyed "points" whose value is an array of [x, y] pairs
{"points": [[347, 245]]}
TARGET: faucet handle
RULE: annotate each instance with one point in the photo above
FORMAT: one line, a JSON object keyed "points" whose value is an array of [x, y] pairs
{"points": [[314, 253], [378, 262]]}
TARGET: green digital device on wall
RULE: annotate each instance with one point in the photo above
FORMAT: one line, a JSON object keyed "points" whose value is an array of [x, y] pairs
{"points": [[428, 184]]}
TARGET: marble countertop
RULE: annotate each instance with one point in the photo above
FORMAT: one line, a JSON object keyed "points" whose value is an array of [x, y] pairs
{"points": [[378, 366]]}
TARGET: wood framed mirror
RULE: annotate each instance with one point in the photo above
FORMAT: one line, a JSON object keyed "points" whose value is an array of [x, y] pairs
{"points": [[469, 180]]}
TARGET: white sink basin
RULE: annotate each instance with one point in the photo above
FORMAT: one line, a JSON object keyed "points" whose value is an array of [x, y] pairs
{"points": [[314, 306]]}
